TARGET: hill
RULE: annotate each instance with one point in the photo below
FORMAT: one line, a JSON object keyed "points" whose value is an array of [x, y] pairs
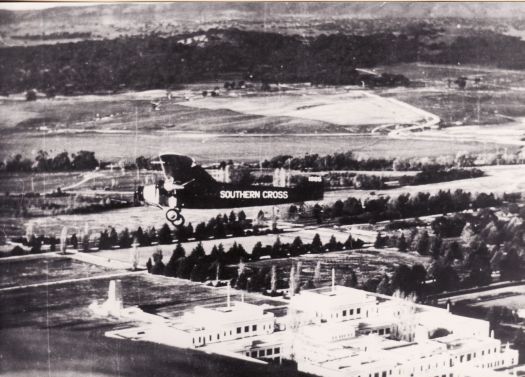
{"points": [[303, 18]]}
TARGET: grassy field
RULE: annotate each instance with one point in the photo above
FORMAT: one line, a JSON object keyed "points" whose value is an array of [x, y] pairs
{"points": [[211, 148], [44, 269], [496, 97], [52, 331]]}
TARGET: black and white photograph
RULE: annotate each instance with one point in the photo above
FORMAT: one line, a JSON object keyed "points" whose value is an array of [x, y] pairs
{"points": [[232, 189]]}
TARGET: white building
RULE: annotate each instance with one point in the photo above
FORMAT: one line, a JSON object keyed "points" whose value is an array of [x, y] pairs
{"points": [[340, 331]]}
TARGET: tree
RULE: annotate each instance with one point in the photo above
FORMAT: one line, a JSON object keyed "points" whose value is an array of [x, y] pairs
{"points": [[232, 218], [125, 239], [197, 252], [152, 235], [435, 248], [297, 247], [277, 248], [113, 238], [149, 265], [332, 244], [454, 252], [158, 265], [384, 286], [219, 231], [74, 241], [316, 245], [510, 266], [480, 271], [349, 279], [402, 244], [173, 263], [165, 237], [423, 243], [257, 251], [242, 216], [139, 235], [31, 95], [317, 213], [103, 240], [446, 278], [84, 160], [380, 241], [200, 231]]}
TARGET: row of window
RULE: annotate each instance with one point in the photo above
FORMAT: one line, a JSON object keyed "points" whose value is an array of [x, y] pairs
{"points": [[384, 331], [471, 356], [239, 331], [264, 352]]}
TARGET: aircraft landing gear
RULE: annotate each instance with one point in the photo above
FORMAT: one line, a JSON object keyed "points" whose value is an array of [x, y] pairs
{"points": [[174, 216]]}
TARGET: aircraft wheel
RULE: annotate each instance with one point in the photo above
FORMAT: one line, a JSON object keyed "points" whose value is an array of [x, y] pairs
{"points": [[179, 221], [172, 215]]}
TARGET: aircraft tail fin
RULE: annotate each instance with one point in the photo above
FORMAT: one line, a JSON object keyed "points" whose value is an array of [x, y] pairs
{"points": [[183, 169]]}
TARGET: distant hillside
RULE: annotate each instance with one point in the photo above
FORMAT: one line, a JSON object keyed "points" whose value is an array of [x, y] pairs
{"points": [[303, 18]]}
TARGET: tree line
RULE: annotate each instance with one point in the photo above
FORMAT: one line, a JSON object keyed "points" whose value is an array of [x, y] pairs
{"points": [[43, 162], [352, 210], [437, 173], [197, 266]]}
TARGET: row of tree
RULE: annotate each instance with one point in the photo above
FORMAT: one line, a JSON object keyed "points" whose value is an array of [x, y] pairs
{"points": [[197, 266], [43, 162], [353, 210], [437, 173]]}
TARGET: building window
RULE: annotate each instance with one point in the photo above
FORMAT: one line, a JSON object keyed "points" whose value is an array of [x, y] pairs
{"points": [[276, 350], [358, 310], [344, 313], [218, 337], [254, 327], [351, 311], [269, 352], [193, 340], [210, 338], [383, 374], [387, 330], [468, 357], [238, 330], [254, 353], [246, 328], [381, 331], [247, 354], [261, 353]]}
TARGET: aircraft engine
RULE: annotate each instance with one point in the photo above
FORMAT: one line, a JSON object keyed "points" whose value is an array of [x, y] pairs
{"points": [[150, 194]]}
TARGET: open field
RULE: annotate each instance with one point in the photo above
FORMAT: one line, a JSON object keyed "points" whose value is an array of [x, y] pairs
{"points": [[508, 134], [127, 112], [355, 109], [215, 147], [15, 272], [495, 99]]}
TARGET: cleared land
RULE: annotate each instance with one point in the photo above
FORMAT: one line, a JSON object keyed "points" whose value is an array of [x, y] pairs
{"points": [[354, 109], [15, 272]]}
